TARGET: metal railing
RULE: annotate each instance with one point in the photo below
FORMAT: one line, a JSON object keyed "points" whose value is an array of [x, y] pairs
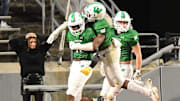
{"points": [[112, 8], [54, 22], [151, 46], [56, 88], [42, 5]]}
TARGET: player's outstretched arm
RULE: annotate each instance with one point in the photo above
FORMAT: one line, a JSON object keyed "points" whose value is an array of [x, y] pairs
{"points": [[78, 46], [54, 35]]}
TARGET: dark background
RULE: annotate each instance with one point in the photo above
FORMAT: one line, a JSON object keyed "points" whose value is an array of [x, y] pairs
{"points": [[159, 16]]}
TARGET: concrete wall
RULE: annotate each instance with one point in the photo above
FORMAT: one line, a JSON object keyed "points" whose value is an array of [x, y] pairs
{"points": [[170, 83], [10, 87]]}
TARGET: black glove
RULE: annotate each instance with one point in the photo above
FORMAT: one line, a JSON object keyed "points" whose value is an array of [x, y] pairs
{"points": [[95, 60]]}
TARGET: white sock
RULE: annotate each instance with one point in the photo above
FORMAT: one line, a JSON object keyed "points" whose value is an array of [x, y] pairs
{"points": [[132, 86], [105, 88], [114, 91]]}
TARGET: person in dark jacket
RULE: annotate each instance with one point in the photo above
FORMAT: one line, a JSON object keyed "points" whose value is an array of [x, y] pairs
{"points": [[31, 51]]}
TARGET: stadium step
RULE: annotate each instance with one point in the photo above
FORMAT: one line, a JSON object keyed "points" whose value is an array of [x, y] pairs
{"points": [[4, 41], [7, 53], [7, 29], [10, 29], [5, 17]]}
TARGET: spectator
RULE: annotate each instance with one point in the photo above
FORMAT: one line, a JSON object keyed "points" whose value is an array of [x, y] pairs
{"points": [[31, 51], [4, 12]]}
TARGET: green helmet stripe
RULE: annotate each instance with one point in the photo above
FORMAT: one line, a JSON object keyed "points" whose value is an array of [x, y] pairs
{"points": [[73, 17], [123, 15]]}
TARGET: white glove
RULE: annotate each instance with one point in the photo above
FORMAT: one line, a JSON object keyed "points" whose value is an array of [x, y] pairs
{"points": [[137, 75], [54, 35], [50, 39], [116, 42], [74, 46]]}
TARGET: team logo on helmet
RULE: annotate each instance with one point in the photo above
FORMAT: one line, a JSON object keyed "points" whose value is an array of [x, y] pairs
{"points": [[94, 11]]}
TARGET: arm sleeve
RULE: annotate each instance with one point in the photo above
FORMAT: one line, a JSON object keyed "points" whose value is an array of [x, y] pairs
{"points": [[45, 46], [134, 40], [17, 44], [43, 43], [101, 26]]}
